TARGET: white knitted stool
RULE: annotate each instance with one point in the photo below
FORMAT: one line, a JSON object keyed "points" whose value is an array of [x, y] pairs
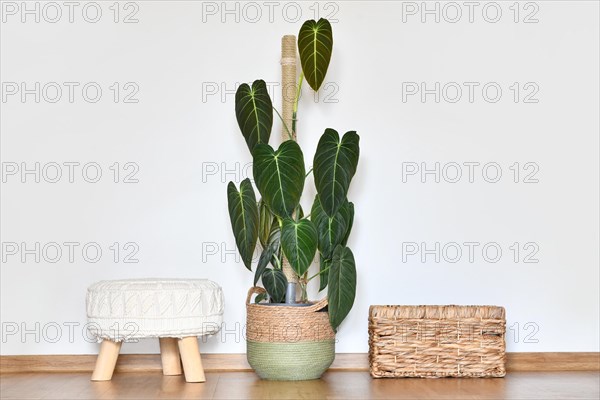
{"points": [[174, 310]]}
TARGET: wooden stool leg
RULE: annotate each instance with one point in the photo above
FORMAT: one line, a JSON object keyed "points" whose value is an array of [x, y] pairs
{"points": [[190, 357], [169, 355], [106, 361]]}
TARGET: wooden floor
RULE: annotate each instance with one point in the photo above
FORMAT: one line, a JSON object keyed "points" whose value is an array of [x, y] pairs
{"points": [[333, 385]]}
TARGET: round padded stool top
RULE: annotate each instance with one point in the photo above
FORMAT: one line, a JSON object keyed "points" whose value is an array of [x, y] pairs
{"points": [[141, 308]]}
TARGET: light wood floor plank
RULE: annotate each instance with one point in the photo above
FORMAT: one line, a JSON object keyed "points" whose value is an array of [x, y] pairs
{"points": [[333, 385]]}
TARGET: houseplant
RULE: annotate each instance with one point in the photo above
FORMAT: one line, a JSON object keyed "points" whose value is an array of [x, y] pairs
{"points": [[290, 240]]}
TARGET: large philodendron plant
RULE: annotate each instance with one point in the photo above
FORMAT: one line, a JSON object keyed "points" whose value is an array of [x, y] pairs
{"points": [[277, 221]]}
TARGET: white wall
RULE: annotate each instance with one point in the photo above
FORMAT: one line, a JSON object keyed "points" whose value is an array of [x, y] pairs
{"points": [[178, 131]]}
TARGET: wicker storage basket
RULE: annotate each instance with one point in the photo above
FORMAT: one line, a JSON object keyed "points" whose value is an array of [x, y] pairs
{"points": [[436, 341], [287, 342]]}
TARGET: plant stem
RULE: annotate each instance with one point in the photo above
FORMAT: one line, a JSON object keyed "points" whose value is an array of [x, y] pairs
{"points": [[317, 274], [303, 285], [295, 109], [308, 173], [277, 261], [284, 124]]}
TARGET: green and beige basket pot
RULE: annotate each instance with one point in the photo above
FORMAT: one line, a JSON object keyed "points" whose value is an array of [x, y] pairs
{"points": [[288, 342]]}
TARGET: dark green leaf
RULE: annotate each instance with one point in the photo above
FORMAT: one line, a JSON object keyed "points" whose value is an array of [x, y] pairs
{"points": [[330, 230], [324, 264], [299, 212], [275, 243], [275, 283], [260, 297], [263, 262], [243, 213], [350, 220], [270, 251], [334, 166], [315, 44], [254, 113], [299, 243], [266, 219], [342, 285], [279, 176]]}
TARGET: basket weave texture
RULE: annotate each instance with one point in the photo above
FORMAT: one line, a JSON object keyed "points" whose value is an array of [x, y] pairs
{"points": [[437, 341], [287, 324], [286, 342]]}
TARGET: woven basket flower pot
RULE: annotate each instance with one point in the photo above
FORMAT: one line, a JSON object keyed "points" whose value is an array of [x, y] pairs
{"points": [[288, 343]]}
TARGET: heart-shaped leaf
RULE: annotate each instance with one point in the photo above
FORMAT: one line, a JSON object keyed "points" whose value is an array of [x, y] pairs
{"points": [[299, 243], [350, 221], [315, 44], [324, 265], [342, 285], [279, 176], [330, 230], [243, 213], [254, 112], [334, 166], [275, 283]]}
